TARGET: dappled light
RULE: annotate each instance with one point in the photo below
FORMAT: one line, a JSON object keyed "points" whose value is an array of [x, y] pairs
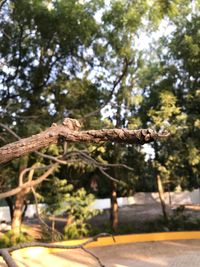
{"points": [[99, 132]]}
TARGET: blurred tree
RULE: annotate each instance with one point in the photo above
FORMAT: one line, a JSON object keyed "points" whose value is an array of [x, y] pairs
{"points": [[74, 204], [44, 59], [71, 58], [123, 22], [169, 85]]}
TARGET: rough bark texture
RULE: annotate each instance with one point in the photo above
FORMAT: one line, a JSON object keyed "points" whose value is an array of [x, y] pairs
{"points": [[29, 184], [161, 196], [114, 207], [8, 259], [5, 252], [18, 212], [68, 131], [19, 202]]}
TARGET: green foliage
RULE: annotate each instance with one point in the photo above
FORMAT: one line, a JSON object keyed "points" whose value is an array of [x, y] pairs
{"points": [[179, 222], [8, 239], [176, 222], [78, 210], [64, 58], [61, 198], [169, 85]]}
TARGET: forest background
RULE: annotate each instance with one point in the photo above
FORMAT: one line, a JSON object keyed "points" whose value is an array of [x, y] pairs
{"points": [[109, 64]]}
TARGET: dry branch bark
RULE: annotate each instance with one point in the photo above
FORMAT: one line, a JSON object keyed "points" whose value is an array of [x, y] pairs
{"points": [[69, 131], [29, 184], [6, 252]]}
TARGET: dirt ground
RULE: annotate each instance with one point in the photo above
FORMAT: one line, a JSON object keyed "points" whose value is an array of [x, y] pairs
{"points": [[150, 254], [129, 214], [136, 215], [142, 213]]}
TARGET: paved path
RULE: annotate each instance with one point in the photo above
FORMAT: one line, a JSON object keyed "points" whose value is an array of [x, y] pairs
{"points": [[150, 254]]}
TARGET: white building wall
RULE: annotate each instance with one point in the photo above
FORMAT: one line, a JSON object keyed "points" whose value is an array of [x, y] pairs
{"points": [[177, 198]]}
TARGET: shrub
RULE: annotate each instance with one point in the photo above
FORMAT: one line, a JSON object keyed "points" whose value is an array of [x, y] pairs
{"points": [[8, 239]]}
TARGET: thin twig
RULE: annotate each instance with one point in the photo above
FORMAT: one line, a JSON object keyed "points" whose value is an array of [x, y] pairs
{"points": [[56, 159], [10, 131], [29, 183], [48, 245], [60, 235], [23, 172], [2, 3], [109, 176], [94, 256], [115, 84], [5, 252], [105, 164], [83, 153], [102, 166]]}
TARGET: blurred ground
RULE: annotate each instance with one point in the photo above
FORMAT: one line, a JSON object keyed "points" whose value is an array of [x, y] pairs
{"points": [[151, 254], [132, 218]]}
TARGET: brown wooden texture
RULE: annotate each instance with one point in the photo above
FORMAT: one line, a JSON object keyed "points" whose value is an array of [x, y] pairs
{"points": [[69, 131]]}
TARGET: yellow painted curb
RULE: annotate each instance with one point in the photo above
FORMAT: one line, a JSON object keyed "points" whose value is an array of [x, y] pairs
{"points": [[134, 238], [107, 241]]}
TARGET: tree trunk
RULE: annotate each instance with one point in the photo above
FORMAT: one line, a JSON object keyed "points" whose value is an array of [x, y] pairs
{"points": [[114, 216], [162, 198], [18, 212], [25, 208], [114, 207]]}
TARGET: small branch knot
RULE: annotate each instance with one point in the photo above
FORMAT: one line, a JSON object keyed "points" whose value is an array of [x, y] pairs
{"points": [[54, 124], [72, 124]]}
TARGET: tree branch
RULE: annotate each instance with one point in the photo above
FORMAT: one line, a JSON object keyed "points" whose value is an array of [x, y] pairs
{"points": [[5, 252], [56, 159], [2, 3], [115, 84], [68, 131], [58, 234], [104, 165], [111, 178], [94, 256], [101, 167], [61, 160], [29, 184], [10, 131], [32, 168]]}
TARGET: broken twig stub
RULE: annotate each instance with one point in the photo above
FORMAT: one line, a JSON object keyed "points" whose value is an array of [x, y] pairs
{"points": [[69, 130]]}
